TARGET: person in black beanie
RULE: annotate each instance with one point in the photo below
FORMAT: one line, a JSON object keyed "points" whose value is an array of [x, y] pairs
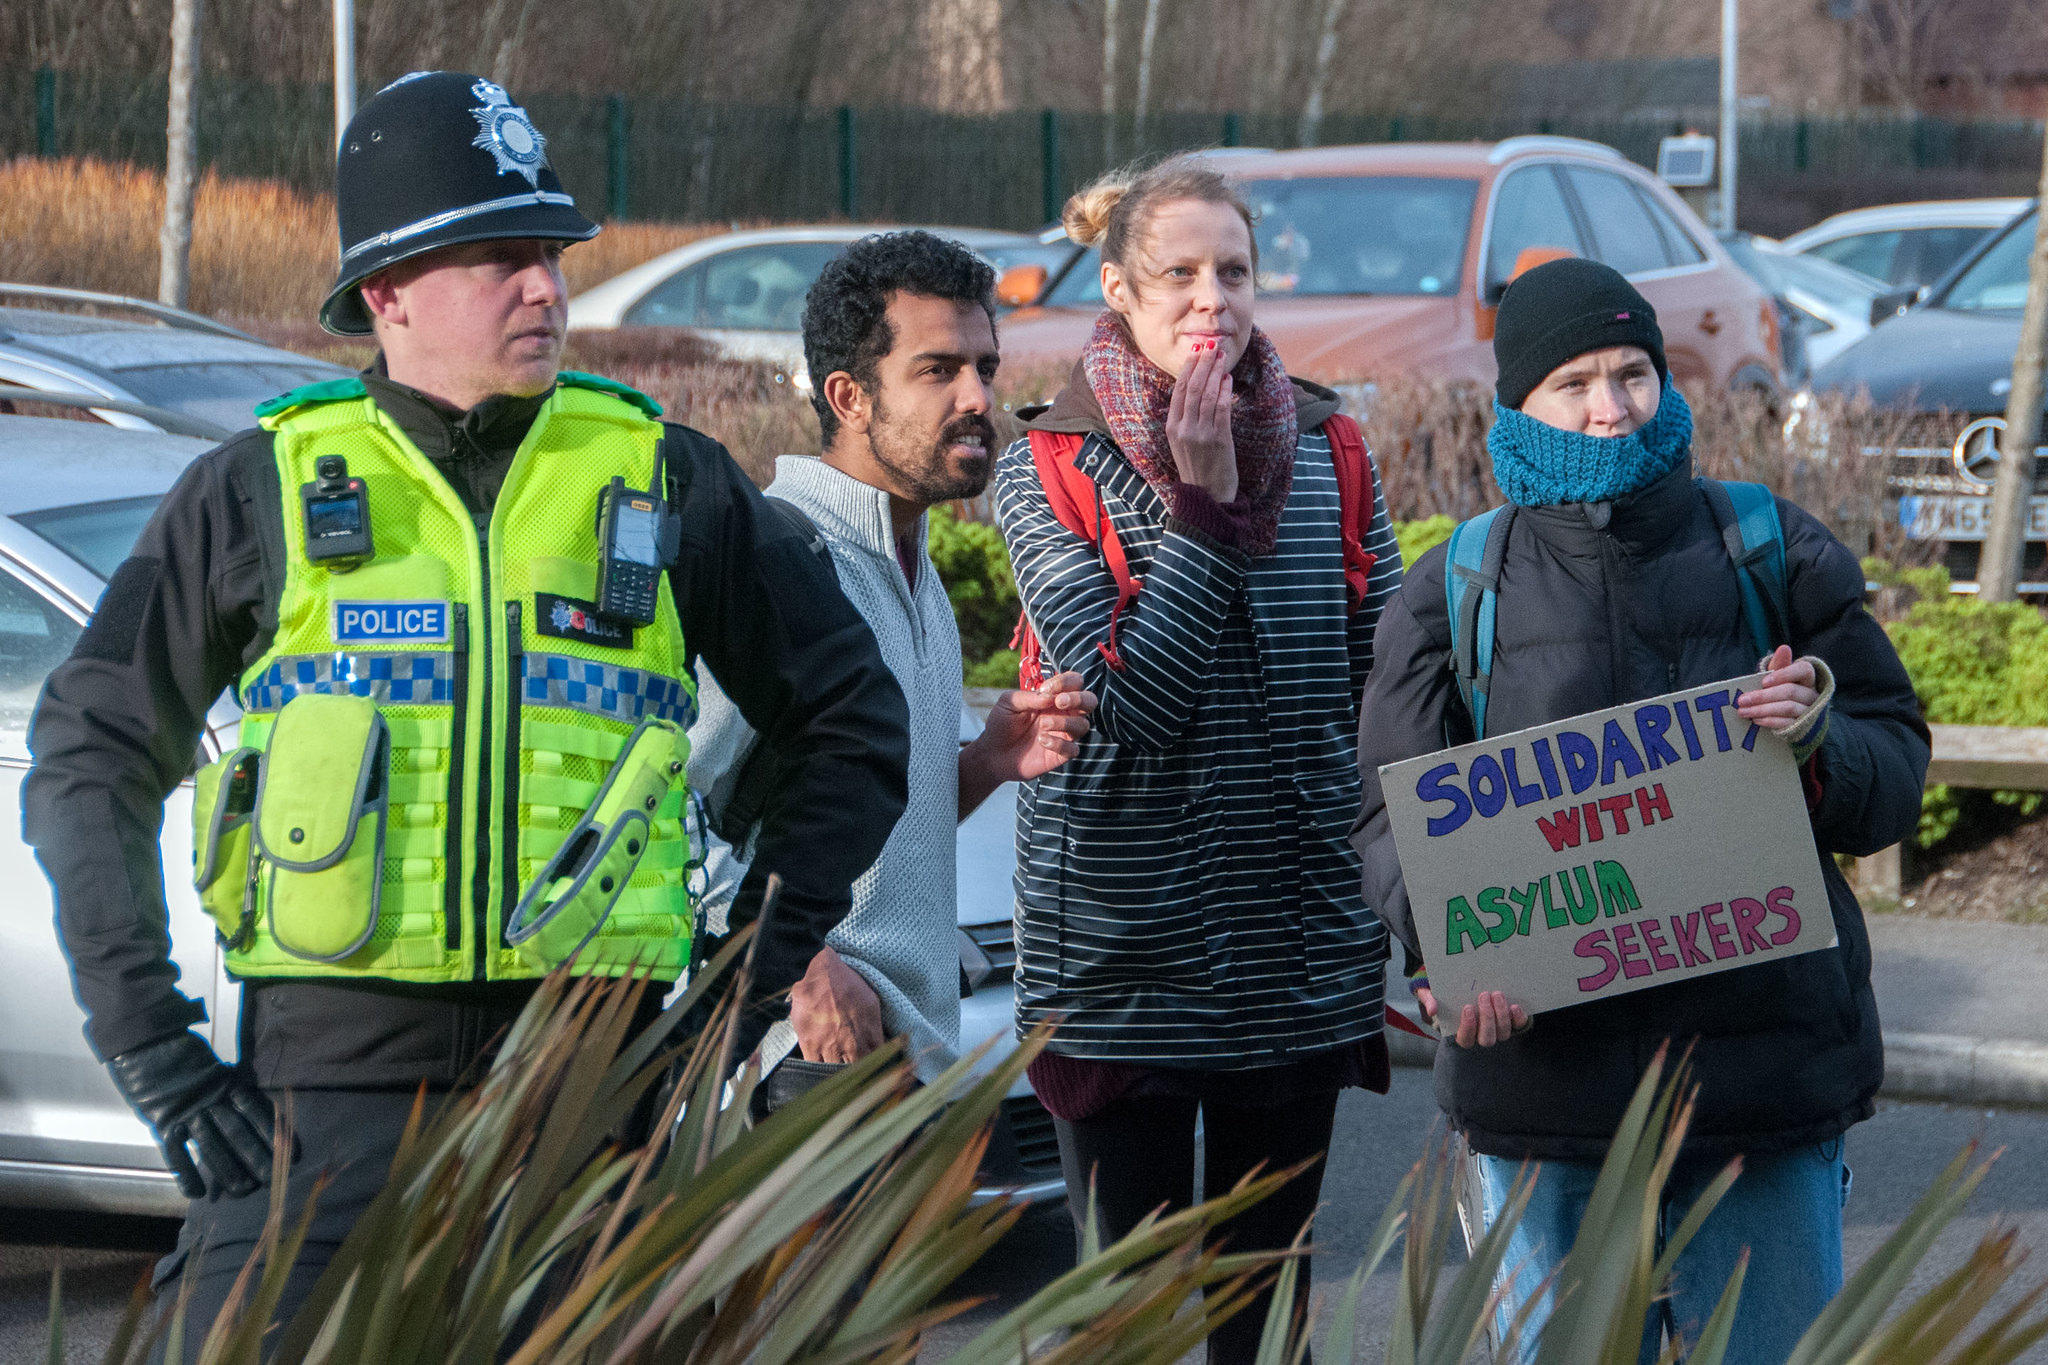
{"points": [[1616, 584]]}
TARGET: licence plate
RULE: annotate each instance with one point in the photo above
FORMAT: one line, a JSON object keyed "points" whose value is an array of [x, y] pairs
{"points": [[1952, 518]]}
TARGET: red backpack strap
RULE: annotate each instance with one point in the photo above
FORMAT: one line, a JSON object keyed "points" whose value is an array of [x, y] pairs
{"points": [[1071, 496], [1354, 500]]}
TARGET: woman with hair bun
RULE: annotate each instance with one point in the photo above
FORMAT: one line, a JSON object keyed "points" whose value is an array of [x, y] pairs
{"points": [[1188, 908]]}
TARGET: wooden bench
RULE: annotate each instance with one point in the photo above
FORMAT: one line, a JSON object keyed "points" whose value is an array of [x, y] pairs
{"points": [[1990, 757]]}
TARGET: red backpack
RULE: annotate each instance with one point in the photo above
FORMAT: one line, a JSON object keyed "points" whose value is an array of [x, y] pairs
{"points": [[1071, 495]]}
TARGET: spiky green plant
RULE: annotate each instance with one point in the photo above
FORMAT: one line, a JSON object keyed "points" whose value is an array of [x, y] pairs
{"points": [[1616, 1270], [516, 1227]]}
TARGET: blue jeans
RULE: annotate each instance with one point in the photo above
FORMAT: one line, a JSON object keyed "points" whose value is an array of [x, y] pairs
{"points": [[1786, 1208]]}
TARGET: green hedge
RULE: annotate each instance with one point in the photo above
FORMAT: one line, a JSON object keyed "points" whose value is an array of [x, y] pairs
{"points": [[974, 564], [1972, 663]]}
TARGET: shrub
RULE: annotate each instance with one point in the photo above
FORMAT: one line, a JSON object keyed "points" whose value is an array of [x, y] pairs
{"points": [[1972, 663], [974, 564], [1418, 538], [513, 1227]]}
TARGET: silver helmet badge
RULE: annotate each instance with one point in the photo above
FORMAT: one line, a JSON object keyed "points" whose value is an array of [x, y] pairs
{"points": [[507, 133]]}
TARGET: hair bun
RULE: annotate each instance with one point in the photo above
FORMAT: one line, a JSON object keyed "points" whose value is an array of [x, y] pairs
{"points": [[1086, 216]]}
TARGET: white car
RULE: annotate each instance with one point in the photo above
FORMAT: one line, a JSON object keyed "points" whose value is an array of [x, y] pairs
{"points": [[1905, 245], [744, 291]]}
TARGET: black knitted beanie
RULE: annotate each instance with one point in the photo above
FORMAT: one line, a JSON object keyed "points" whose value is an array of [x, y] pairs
{"points": [[1561, 310]]}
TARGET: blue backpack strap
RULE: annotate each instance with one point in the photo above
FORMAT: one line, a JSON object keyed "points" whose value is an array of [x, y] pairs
{"points": [[1471, 589], [1747, 514]]}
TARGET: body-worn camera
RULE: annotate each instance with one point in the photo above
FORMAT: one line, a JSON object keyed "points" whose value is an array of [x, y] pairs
{"points": [[632, 536], [337, 516]]}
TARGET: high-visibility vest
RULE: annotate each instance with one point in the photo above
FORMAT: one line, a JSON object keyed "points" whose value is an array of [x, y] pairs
{"points": [[447, 745]]}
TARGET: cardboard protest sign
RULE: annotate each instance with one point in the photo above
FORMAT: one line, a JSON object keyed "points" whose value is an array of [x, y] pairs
{"points": [[1611, 852]]}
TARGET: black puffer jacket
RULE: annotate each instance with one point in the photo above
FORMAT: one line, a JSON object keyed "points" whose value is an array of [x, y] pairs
{"points": [[1606, 603]]}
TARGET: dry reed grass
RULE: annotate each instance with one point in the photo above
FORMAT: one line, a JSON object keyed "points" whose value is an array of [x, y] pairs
{"points": [[260, 250], [1430, 441], [263, 255]]}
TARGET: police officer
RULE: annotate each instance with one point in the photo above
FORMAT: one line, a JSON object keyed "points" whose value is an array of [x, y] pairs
{"points": [[401, 580]]}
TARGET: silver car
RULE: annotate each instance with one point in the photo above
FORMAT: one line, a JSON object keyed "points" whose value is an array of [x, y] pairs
{"points": [[1023, 1152], [161, 369], [73, 498]]}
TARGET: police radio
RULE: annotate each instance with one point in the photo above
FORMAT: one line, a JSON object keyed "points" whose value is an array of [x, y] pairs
{"points": [[631, 530], [337, 516]]}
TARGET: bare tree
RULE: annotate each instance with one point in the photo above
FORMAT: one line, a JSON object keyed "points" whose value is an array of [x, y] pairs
{"points": [[1145, 43], [1897, 44], [963, 43], [1109, 81], [181, 159], [2005, 541], [1326, 52]]}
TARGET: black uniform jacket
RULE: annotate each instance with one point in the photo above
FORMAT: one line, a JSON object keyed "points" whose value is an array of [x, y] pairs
{"points": [[1606, 603], [119, 722]]}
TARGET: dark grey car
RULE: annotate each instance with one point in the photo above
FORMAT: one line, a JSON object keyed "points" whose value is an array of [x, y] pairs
{"points": [[1953, 354]]}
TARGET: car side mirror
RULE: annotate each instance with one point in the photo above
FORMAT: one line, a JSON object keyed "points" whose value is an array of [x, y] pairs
{"points": [[1526, 260], [1894, 302], [1529, 257], [1020, 286]]}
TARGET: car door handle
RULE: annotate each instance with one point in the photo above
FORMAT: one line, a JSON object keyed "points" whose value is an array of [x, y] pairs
{"points": [[1709, 323]]}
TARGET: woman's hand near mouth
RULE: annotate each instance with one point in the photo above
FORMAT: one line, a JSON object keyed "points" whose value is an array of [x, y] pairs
{"points": [[1198, 423]]}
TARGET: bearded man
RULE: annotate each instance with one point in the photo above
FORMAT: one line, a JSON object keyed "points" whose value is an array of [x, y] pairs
{"points": [[899, 335]]}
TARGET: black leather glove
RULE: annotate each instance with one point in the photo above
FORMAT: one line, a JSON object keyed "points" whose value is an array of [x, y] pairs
{"points": [[214, 1126]]}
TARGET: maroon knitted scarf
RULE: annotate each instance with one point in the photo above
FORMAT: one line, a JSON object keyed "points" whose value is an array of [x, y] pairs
{"points": [[1134, 394]]}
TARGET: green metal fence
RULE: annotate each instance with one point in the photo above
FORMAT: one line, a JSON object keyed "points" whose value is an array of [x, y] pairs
{"points": [[667, 159]]}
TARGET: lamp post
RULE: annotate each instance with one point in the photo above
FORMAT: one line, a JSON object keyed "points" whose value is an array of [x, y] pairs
{"points": [[1731, 24], [344, 67], [181, 159]]}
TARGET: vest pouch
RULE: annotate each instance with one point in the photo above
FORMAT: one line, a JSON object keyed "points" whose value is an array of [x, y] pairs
{"points": [[223, 804], [319, 826], [573, 894]]}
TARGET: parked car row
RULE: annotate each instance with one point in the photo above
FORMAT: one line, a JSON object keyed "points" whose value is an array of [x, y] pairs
{"points": [[1952, 353]]}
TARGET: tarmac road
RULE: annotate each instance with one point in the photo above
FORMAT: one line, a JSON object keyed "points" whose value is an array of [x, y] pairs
{"points": [[1893, 1156]]}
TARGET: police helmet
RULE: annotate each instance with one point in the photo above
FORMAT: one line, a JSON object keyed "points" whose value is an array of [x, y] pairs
{"points": [[436, 158]]}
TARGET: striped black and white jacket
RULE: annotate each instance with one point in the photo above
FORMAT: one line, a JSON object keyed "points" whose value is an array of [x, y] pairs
{"points": [[1186, 893]]}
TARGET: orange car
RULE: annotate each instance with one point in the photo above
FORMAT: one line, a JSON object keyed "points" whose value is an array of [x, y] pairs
{"points": [[1391, 257]]}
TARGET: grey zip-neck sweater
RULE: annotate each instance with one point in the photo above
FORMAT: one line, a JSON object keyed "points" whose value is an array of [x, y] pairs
{"points": [[900, 935]]}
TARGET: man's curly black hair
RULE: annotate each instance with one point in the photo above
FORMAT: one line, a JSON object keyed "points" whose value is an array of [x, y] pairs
{"points": [[846, 323]]}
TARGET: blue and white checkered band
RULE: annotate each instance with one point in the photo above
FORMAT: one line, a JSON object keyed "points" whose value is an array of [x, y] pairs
{"points": [[627, 694], [414, 679]]}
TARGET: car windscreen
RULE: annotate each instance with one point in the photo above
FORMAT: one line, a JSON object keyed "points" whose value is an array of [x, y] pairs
{"points": [[1379, 234], [98, 535], [1996, 279], [223, 392]]}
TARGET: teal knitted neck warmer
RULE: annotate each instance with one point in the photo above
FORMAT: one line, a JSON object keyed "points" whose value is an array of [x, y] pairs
{"points": [[1537, 465]]}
